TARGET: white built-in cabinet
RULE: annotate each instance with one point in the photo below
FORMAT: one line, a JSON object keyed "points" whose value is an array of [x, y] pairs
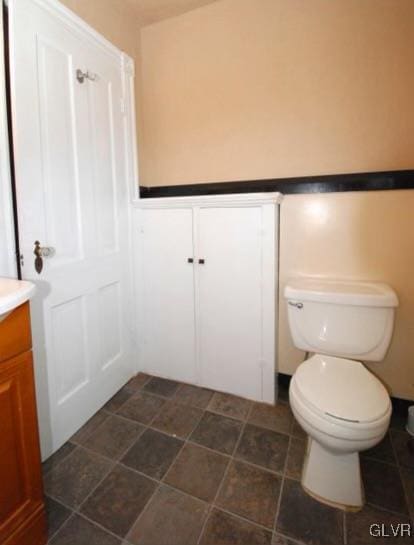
{"points": [[206, 277]]}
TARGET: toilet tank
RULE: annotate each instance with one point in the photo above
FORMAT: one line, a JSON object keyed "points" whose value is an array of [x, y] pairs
{"points": [[341, 318]]}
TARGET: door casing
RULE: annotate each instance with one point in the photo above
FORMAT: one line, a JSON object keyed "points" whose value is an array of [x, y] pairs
{"points": [[7, 240]]}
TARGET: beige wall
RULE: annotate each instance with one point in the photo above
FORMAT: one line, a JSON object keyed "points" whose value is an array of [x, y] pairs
{"points": [[364, 235], [247, 89]]}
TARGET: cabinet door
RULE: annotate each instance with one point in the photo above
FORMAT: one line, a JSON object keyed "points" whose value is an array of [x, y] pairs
{"points": [[168, 294], [233, 243], [21, 498]]}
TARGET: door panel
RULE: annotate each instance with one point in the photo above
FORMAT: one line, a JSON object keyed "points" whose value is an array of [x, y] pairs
{"points": [[59, 153], [110, 324], [69, 347], [102, 125], [72, 196], [168, 294], [230, 311]]}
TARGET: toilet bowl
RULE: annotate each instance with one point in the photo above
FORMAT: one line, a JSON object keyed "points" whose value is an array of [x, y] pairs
{"points": [[344, 409], [339, 403]]}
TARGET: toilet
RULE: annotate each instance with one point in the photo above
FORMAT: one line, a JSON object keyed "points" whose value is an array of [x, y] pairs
{"points": [[338, 402]]}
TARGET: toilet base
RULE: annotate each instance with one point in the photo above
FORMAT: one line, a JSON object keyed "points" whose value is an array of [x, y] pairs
{"points": [[334, 479]]}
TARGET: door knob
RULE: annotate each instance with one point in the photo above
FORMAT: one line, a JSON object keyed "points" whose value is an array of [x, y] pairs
{"points": [[43, 251], [201, 261], [40, 252]]}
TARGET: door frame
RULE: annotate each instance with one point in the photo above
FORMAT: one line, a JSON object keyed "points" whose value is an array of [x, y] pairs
{"points": [[7, 234]]}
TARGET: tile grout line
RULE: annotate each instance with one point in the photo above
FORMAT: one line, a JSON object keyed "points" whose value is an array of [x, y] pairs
{"points": [[117, 461], [229, 463], [263, 468], [109, 413], [186, 441], [75, 443], [77, 509], [202, 411], [244, 519], [400, 468], [146, 427], [71, 514], [389, 511], [101, 410], [212, 503], [282, 484], [233, 458], [89, 435], [161, 481], [64, 523], [113, 464], [60, 462], [159, 484], [76, 512]]}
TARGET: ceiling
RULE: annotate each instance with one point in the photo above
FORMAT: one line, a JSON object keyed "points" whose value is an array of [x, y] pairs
{"points": [[151, 11]]}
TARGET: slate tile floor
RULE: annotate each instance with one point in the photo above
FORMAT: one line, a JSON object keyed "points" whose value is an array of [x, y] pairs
{"points": [[165, 463]]}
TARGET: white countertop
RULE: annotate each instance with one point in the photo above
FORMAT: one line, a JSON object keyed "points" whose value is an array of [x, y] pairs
{"points": [[14, 293]]}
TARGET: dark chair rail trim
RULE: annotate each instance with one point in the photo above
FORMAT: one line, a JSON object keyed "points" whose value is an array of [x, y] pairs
{"points": [[368, 181]]}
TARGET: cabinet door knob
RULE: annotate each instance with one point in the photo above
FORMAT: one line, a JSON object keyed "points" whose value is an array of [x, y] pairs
{"points": [[201, 261], [190, 260]]}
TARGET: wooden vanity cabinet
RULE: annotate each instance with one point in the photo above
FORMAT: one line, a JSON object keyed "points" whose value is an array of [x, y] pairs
{"points": [[22, 511]]}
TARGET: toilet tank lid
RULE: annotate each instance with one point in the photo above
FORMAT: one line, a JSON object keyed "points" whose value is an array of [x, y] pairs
{"points": [[341, 292]]}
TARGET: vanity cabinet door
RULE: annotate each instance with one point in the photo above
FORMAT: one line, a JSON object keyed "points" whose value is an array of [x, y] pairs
{"points": [[15, 335], [22, 519]]}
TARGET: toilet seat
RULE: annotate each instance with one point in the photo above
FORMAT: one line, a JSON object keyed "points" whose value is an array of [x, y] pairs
{"points": [[316, 422], [342, 390]]}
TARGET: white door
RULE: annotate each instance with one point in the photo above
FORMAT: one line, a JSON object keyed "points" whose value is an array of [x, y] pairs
{"points": [[231, 284], [72, 196], [167, 293]]}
